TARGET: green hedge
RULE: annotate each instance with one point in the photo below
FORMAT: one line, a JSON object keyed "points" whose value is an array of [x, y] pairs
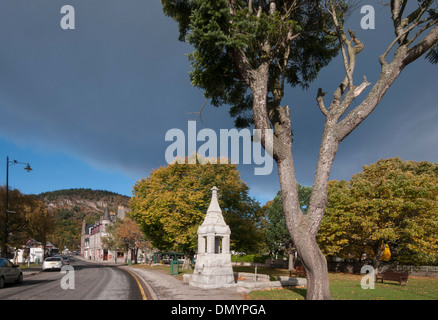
{"points": [[255, 258]]}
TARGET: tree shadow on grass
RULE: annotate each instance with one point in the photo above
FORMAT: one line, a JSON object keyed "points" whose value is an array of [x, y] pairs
{"points": [[301, 291]]}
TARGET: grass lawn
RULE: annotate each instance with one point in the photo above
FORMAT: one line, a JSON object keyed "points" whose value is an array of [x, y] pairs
{"points": [[347, 287], [25, 266], [342, 286]]}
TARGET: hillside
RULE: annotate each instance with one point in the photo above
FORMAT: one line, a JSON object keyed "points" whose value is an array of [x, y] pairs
{"points": [[86, 200], [71, 206]]}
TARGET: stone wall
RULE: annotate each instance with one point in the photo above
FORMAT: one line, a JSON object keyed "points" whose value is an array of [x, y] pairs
{"points": [[246, 276]]}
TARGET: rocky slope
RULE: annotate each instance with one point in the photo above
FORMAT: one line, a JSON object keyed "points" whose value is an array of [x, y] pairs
{"points": [[71, 206], [83, 200]]}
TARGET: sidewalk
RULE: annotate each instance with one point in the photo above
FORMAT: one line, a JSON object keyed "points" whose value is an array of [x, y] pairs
{"points": [[31, 271], [166, 287]]}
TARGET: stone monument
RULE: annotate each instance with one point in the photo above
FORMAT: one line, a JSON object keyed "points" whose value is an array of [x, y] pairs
{"points": [[213, 267]]}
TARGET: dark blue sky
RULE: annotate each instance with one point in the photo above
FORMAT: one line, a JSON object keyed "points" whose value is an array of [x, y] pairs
{"points": [[90, 107]]}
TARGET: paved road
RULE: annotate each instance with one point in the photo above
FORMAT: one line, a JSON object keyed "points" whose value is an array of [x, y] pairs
{"points": [[162, 286], [91, 282]]}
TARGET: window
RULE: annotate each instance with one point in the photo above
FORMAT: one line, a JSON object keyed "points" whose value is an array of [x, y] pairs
{"points": [[218, 245], [54, 259]]}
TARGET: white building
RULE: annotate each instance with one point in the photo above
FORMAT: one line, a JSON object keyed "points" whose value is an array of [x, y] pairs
{"points": [[33, 251], [91, 238]]}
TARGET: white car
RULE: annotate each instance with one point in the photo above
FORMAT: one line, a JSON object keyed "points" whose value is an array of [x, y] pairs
{"points": [[9, 272], [53, 263]]}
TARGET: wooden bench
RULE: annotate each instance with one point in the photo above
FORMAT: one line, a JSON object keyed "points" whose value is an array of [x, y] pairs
{"points": [[393, 276]]}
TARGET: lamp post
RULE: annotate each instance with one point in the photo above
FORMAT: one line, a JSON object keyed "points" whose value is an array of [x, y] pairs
{"points": [[28, 169]]}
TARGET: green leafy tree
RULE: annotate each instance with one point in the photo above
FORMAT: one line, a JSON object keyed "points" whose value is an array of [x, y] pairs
{"points": [[392, 202], [246, 51], [335, 236], [170, 205], [67, 228], [277, 234]]}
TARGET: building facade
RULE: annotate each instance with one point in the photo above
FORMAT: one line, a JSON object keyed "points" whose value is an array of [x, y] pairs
{"points": [[92, 234], [31, 252]]}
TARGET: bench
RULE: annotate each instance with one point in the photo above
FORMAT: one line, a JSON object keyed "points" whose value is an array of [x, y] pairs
{"points": [[393, 276]]}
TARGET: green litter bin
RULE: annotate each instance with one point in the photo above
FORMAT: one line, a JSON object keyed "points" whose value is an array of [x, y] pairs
{"points": [[174, 267], [129, 262]]}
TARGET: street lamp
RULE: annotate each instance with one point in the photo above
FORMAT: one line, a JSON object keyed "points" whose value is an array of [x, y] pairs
{"points": [[28, 169]]}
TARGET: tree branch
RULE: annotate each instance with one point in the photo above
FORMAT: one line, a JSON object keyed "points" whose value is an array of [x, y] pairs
{"points": [[402, 57], [402, 27], [358, 90], [430, 24], [424, 45], [199, 113], [320, 100]]}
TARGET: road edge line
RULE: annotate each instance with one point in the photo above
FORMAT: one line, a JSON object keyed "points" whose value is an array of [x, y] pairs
{"points": [[143, 295], [139, 279]]}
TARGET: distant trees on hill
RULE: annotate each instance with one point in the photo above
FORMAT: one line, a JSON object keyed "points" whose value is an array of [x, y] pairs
{"points": [[86, 194]]}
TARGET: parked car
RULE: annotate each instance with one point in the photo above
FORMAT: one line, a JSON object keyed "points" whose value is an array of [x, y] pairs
{"points": [[66, 259], [9, 272], [53, 263]]}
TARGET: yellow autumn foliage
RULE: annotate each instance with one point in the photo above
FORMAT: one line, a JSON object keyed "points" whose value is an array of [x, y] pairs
{"points": [[386, 255]]}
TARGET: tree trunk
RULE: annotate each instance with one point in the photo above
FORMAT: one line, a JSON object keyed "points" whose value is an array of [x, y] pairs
{"points": [[301, 227], [315, 265], [135, 254], [378, 251], [298, 224]]}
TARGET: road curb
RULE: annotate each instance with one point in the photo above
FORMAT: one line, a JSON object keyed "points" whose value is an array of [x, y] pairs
{"points": [[149, 291], [28, 274]]}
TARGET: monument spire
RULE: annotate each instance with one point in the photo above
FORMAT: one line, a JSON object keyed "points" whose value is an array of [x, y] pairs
{"points": [[214, 204], [214, 218]]}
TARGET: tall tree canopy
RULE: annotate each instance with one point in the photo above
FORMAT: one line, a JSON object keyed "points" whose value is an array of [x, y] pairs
{"points": [[172, 202], [392, 202], [246, 51], [287, 36]]}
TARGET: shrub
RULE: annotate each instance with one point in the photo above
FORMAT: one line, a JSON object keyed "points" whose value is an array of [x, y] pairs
{"points": [[254, 258]]}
